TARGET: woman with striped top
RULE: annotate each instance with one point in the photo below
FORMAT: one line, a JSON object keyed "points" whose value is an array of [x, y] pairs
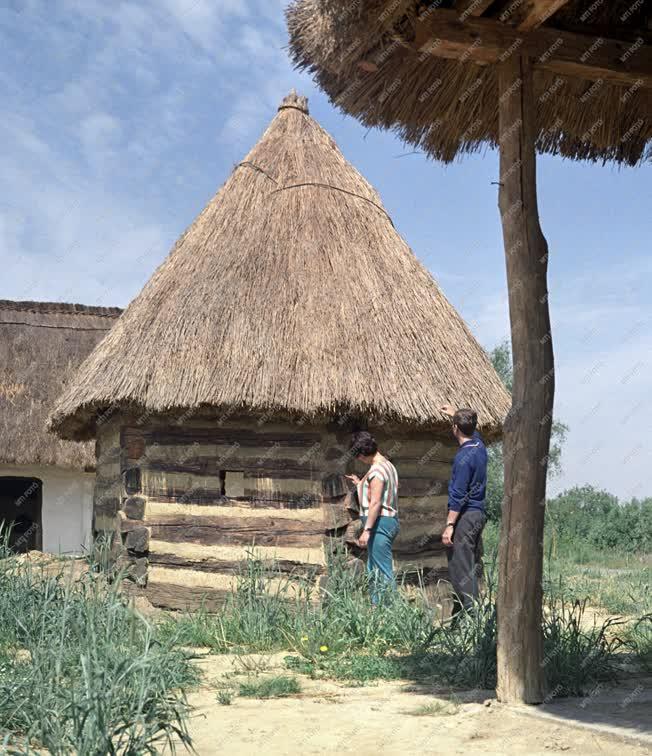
{"points": [[378, 497]]}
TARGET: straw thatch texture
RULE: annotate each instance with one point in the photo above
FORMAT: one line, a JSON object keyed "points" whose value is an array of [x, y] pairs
{"points": [[362, 54], [41, 343], [292, 293]]}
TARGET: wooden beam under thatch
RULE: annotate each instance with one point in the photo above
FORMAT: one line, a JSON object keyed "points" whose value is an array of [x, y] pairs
{"points": [[484, 41], [530, 14]]}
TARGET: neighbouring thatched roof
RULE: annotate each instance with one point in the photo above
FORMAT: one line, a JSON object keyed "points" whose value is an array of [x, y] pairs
{"points": [[41, 343], [291, 293], [364, 55]]}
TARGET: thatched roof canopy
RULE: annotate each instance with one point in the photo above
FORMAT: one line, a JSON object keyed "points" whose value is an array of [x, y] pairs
{"points": [[290, 293], [41, 344], [425, 69]]}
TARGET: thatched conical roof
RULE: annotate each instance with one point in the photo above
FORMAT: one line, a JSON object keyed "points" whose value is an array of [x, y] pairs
{"points": [[291, 293]]}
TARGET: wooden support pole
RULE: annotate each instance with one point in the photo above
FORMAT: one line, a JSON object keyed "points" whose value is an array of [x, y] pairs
{"points": [[527, 431]]}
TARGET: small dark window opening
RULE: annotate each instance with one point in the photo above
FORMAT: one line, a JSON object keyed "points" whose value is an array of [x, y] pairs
{"points": [[232, 483], [20, 512]]}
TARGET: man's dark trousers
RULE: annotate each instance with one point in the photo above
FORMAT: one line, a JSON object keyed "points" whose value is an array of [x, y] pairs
{"points": [[465, 559]]}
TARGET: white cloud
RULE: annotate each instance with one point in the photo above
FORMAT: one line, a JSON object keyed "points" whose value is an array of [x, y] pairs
{"points": [[100, 135]]}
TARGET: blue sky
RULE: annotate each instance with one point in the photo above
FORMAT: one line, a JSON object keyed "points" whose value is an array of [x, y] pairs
{"points": [[120, 120]]}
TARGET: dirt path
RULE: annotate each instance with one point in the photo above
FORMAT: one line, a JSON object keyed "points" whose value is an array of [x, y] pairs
{"points": [[329, 718]]}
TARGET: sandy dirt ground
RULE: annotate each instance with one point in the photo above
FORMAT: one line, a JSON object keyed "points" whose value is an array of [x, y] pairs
{"points": [[328, 718]]}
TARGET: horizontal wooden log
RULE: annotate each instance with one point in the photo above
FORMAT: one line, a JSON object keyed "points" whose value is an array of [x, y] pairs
{"points": [[203, 497], [434, 507], [399, 449], [264, 531], [289, 586], [424, 486], [184, 598], [415, 468], [483, 41], [244, 437], [300, 505], [198, 552], [206, 466], [233, 456], [233, 566], [164, 513]]}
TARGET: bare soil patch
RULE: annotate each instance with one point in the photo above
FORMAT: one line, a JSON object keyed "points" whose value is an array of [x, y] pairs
{"points": [[385, 718]]}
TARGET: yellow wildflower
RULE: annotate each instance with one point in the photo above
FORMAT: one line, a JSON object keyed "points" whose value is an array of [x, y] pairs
{"points": [[323, 649], [304, 638]]}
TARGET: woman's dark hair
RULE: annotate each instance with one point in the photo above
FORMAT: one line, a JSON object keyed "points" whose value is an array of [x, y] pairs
{"points": [[363, 443], [466, 420]]}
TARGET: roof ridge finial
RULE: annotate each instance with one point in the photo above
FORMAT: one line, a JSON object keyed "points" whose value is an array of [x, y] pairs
{"points": [[296, 101]]}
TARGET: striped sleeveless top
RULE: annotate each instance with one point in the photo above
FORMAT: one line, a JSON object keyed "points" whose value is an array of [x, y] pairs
{"points": [[386, 471]]}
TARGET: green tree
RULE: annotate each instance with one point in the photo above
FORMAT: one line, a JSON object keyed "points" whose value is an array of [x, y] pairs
{"points": [[586, 515], [501, 359]]}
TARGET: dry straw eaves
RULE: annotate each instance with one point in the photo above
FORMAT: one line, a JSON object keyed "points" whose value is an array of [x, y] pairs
{"points": [[362, 54], [41, 344], [292, 293]]}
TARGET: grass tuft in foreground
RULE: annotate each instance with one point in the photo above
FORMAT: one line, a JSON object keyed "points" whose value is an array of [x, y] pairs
{"points": [[80, 671], [279, 686]]}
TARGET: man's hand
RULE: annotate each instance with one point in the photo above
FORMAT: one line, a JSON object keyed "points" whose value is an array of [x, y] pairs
{"points": [[353, 478], [447, 409], [363, 540], [447, 536]]}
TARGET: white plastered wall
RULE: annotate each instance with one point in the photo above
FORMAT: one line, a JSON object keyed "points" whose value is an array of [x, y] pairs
{"points": [[67, 506]]}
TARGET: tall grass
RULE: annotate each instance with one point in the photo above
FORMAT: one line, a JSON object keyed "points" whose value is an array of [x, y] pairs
{"points": [[80, 671], [343, 636], [271, 611]]}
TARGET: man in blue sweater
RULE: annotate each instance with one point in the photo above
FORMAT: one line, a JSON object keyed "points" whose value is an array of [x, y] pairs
{"points": [[466, 509]]}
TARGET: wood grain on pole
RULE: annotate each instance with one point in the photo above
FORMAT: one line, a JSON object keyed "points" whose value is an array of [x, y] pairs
{"points": [[527, 429]]}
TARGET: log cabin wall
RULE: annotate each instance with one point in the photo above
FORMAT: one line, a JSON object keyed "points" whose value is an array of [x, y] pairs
{"points": [[188, 498]]}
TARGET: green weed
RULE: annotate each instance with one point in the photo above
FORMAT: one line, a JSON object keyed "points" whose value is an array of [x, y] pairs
{"points": [[270, 687], [225, 696]]}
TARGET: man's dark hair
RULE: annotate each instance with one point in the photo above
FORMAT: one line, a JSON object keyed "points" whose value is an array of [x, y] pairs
{"points": [[363, 443], [466, 420]]}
